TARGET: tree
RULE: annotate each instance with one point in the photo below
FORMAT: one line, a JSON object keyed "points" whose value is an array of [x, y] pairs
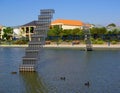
{"points": [[81, 32], [112, 25], [97, 32], [51, 32], [55, 31], [102, 30], [75, 31], [7, 33]]}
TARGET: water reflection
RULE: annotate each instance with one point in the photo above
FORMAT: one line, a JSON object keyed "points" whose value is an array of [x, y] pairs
{"points": [[100, 68], [33, 83]]}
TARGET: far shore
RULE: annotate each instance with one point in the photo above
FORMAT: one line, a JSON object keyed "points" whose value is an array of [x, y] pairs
{"points": [[81, 46]]}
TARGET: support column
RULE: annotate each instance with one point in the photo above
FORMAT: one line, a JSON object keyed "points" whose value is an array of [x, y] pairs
{"points": [[29, 34]]}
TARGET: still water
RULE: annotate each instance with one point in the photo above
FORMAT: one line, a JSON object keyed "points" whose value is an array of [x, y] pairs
{"points": [[101, 68]]}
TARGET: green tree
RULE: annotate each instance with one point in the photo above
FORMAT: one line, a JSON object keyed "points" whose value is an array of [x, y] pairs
{"points": [[75, 31], [55, 31], [102, 30], [66, 32], [112, 25], [7, 33], [80, 32], [51, 32], [97, 32], [115, 31]]}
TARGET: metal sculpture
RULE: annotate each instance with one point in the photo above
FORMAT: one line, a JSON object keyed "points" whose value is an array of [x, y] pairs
{"points": [[32, 53]]}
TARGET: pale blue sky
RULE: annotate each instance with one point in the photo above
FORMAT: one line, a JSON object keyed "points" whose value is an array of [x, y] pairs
{"points": [[19, 12]]}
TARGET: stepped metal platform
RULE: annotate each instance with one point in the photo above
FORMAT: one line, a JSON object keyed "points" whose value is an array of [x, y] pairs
{"points": [[32, 52]]}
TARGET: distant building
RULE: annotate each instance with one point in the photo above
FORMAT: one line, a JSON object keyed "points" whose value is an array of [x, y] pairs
{"points": [[28, 29], [111, 28], [16, 32], [68, 24], [89, 25], [0, 32]]}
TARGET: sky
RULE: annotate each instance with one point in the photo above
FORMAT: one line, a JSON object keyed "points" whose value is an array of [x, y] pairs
{"points": [[99, 12]]}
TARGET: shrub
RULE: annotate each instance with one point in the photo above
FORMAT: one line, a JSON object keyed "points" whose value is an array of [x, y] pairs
{"points": [[97, 41], [113, 42], [20, 42]]}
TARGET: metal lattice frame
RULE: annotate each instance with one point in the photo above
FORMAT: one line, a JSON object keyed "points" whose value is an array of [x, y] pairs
{"points": [[32, 52], [87, 39]]}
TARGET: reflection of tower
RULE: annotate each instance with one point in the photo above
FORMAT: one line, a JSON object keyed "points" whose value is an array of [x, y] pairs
{"points": [[87, 39], [32, 83], [37, 41]]}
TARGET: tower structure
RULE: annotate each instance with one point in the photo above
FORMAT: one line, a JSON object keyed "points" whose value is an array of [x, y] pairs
{"points": [[32, 52], [87, 39]]}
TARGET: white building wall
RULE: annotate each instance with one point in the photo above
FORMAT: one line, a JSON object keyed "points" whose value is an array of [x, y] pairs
{"points": [[2, 30], [16, 32], [71, 27]]}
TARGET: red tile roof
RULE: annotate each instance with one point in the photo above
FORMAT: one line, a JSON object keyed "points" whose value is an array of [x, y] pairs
{"points": [[68, 22]]}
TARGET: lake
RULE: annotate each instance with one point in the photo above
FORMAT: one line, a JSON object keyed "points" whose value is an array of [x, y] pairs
{"points": [[61, 70]]}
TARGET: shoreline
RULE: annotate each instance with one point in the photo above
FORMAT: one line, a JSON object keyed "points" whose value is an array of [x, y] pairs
{"points": [[80, 46]]}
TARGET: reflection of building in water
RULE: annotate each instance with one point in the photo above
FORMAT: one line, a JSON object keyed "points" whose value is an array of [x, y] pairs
{"points": [[32, 83]]}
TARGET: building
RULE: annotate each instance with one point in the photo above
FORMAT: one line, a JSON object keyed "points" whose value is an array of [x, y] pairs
{"points": [[0, 32], [16, 32], [111, 28], [68, 24], [28, 29]]}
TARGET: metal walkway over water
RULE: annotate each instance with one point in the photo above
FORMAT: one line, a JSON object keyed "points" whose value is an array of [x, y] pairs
{"points": [[32, 52]]}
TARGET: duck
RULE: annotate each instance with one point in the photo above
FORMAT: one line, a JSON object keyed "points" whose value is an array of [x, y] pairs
{"points": [[13, 72], [87, 84], [62, 78]]}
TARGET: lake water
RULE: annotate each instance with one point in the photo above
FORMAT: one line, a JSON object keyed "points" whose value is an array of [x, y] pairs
{"points": [[101, 68]]}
